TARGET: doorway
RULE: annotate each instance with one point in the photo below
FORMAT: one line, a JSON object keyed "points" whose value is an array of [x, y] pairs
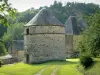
{"points": [[27, 58]]}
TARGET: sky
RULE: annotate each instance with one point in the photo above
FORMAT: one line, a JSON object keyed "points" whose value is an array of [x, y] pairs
{"points": [[22, 5]]}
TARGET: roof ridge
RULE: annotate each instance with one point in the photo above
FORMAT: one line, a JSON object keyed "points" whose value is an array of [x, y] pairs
{"points": [[44, 17]]}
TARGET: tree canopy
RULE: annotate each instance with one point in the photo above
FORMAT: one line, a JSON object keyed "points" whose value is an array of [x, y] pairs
{"points": [[5, 11], [60, 10], [90, 42]]}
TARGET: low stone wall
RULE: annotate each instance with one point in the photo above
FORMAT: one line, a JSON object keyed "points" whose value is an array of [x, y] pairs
{"points": [[10, 60]]}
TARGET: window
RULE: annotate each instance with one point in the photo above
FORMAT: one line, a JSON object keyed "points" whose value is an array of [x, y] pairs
{"points": [[27, 31]]}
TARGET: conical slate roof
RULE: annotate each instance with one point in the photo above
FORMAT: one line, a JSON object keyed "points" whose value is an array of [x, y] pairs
{"points": [[71, 26], [44, 17]]}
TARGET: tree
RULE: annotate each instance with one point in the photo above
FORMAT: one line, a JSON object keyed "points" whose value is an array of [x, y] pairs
{"points": [[62, 12], [3, 29], [16, 31], [90, 44], [5, 10]]}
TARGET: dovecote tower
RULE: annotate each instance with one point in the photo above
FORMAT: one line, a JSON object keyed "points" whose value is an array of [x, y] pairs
{"points": [[44, 38], [72, 31]]}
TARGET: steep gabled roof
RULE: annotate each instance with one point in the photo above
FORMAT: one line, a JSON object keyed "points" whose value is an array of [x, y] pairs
{"points": [[71, 26], [44, 17]]}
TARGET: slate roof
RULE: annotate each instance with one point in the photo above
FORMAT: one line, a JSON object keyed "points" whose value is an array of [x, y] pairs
{"points": [[44, 17], [71, 26]]}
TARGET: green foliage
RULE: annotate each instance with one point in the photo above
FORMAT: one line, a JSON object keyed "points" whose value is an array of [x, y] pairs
{"points": [[6, 9], [3, 50], [90, 42], [22, 17], [1, 63], [60, 10], [15, 31], [3, 29], [93, 70], [86, 61], [6, 40]]}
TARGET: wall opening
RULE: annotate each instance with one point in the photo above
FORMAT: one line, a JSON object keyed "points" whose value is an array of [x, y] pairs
{"points": [[27, 58], [27, 31]]}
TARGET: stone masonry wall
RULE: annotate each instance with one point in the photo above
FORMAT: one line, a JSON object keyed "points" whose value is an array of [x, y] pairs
{"points": [[69, 45], [45, 29], [46, 46]]}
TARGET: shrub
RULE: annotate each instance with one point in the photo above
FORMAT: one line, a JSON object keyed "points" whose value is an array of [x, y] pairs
{"points": [[86, 61], [1, 63], [3, 49]]}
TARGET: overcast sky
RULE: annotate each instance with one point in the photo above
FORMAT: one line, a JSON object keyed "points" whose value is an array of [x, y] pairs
{"points": [[23, 5]]}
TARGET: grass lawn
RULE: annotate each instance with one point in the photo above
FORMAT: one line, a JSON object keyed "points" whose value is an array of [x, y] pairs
{"points": [[93, 70], [68, 67]]}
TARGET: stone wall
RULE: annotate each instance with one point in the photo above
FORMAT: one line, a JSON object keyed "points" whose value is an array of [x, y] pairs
{"points": [[69, 45], [45, 29], [45, 44]]}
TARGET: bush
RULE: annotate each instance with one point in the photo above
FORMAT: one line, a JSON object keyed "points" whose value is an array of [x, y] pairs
{"points": [[1, 63], [86, 61], [3, 49]]}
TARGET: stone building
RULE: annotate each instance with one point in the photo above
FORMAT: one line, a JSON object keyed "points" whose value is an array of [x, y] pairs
{"points": [[72, 31], [16, 49], [44, 38]]}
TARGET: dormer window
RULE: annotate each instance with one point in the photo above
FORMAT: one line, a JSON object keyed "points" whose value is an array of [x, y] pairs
{"points": [[27, 31]]}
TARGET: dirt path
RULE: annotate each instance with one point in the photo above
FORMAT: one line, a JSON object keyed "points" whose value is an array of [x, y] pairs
{"points": [[41, 71], [55, 70]]}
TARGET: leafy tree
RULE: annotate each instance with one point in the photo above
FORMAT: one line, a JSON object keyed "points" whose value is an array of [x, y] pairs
{"points": [[60, 10], [86, 61], [2, 49], [90, 44], [3, 29], [5, 10], [25, 16], [16, 31]]}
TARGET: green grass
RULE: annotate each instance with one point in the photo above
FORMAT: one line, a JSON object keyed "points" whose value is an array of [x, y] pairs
{"points": [[68, 67], [20, 69], [49, 70], [93, 70]]}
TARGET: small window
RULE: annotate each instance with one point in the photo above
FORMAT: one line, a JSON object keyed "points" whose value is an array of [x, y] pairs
{"points": [[27, 31]]}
